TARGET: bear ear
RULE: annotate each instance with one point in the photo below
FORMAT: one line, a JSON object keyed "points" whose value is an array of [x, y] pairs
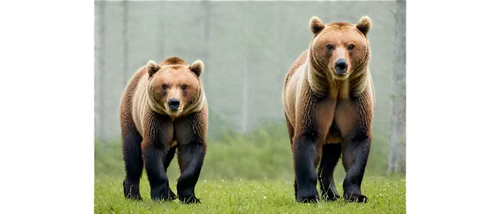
{"points": [[152, 67], [196, 67], [316, 25], [364, 25]]}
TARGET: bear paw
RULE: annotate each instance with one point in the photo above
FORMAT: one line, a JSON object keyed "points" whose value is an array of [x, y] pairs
{"points": [[307, 195], [162, 193], [309, 199], [131, 191], [330, 196], [133, 197], [171, 196], [189, 199], [351, 197]]}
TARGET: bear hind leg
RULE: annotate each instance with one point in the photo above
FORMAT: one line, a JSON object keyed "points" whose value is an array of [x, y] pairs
{"points": [[290, 134], [354, 158], [329, 158], [133, 164]]}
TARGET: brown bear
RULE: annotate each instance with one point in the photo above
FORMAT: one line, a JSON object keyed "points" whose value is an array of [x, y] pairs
{"points": [[328, 99], [163, 108]]}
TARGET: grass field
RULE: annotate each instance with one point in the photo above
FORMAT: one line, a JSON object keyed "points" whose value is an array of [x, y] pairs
{"points": [[386, 195], [246, 174]]}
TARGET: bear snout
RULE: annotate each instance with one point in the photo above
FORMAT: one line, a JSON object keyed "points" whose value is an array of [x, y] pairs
{"points": [[341, 66], [173, 104]]}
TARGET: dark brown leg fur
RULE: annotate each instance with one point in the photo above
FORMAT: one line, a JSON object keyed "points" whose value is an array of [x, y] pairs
{"points": [[191, 154], [191, 157], [154, 157], [290, 134], [308, 143], [355, 157], [330, 157], [133, 163], [305, 147], [170, 155]]}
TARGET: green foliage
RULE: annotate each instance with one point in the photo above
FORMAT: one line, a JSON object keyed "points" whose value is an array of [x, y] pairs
{"points": [[263, 153]]}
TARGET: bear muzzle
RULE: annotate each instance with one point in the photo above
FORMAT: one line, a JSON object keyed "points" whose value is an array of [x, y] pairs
{"points": [[173, 104], [341, 67]]}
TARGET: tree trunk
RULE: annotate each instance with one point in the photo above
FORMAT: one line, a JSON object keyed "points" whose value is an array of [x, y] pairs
{"points": [[327, 8], [125, 44], [206, 45], [280, 39], [397, 136], [162, 49], [248, 108], [100, 69]]}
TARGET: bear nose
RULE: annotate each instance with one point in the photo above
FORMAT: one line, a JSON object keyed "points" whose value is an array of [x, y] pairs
{"points": [[173, 104], [340, 66]]}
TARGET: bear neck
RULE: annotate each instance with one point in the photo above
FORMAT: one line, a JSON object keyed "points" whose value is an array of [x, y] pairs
{"points": [[323, 84]]}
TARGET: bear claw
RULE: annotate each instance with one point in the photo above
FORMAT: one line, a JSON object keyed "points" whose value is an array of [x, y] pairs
{"points": [[166, 195], [332, 197], [311, 199], [189, 199], [351, 197], [133, 197]]}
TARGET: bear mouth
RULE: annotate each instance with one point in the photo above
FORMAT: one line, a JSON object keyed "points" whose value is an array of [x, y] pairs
{"points": [[174, 112], [340, 76]]}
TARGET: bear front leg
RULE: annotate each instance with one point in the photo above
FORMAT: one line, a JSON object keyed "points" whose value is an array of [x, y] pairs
{"points": [[166, 163], [355, 157], [158, 181], [191, 156], [329, 158], [133, 162], [305, 146]]}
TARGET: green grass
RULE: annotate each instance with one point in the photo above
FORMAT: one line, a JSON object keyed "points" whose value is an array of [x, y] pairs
{"points": [[246, 174], [386, 195]]}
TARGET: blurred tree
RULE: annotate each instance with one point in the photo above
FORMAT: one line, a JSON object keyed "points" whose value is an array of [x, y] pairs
{"points": [[162, 50], [327, 11], [250, 53], [280, 38], [125, 43], [101, 60], [206, 40], [397, 135]]}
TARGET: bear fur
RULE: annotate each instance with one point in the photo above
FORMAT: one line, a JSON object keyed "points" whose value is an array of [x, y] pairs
{"points": [[164, 109], [329, 99]]}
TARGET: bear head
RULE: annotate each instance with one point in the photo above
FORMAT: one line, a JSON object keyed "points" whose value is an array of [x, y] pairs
{"points": [[340, 48], [174, 86]]}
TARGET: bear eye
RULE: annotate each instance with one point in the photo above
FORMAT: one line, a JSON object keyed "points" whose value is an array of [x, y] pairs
{"points": [[184, 86], [164, 86], [350, 47], [330, 47]]}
